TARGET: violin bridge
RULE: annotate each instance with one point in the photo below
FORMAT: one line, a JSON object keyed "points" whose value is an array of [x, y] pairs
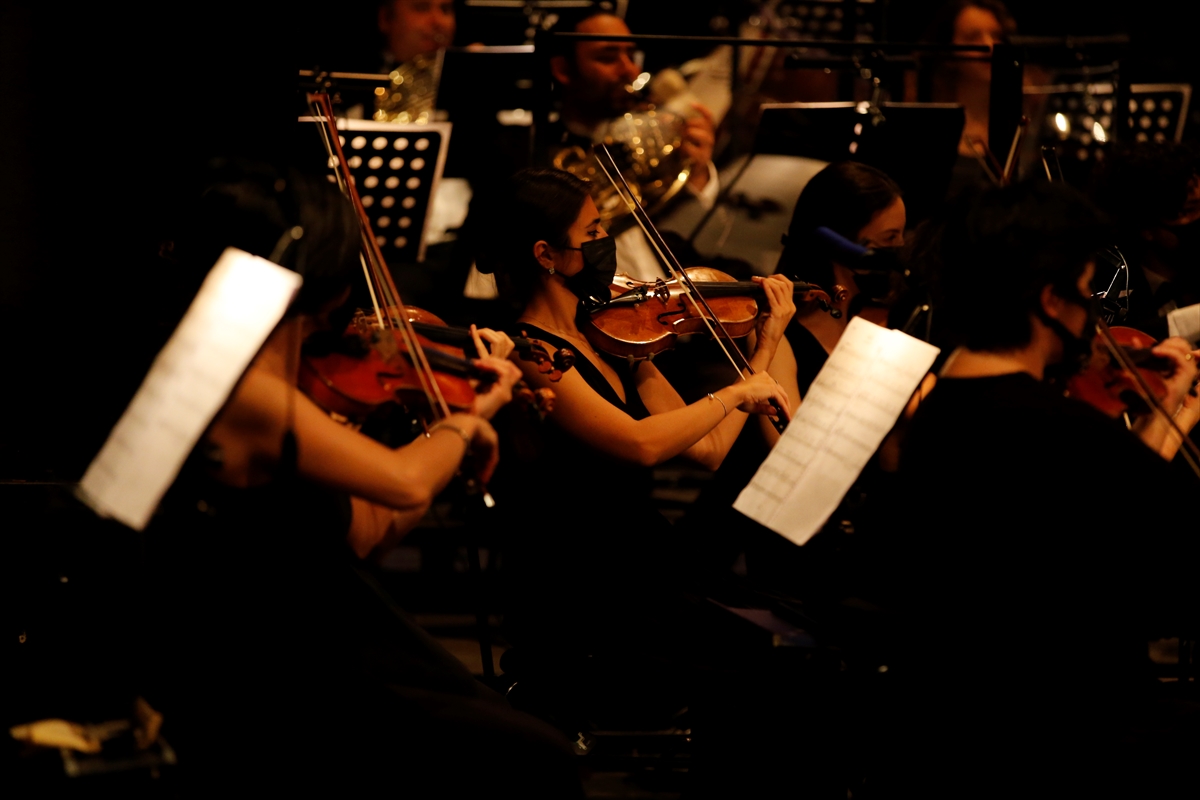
{"points": [[661, 292]]}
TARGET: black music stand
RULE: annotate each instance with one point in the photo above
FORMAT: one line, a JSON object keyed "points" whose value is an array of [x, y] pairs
{"points": [[916, 144], [397, 169]]}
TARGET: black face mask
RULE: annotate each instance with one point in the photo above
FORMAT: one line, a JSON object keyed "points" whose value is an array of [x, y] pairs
{"points": [[1076, 349], [591, 283], [876, 286]]}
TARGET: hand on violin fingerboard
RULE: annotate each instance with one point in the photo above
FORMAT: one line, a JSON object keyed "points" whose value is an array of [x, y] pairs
{"points": [[498, 344], [772, 324]]}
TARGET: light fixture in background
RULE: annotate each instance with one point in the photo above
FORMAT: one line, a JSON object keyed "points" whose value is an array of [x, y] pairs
{"points": [[1077, 118]]}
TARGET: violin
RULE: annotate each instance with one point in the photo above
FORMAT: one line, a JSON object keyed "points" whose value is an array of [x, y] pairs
{"points": [[390, 361], [709, 320], [1108, 386], [1124, 377], [552, 365], [357, 373], [646, 318], [436, 336]]}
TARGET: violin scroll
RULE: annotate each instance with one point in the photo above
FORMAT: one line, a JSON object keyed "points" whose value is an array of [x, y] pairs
{"points": [[815, 294], [551, 365]]}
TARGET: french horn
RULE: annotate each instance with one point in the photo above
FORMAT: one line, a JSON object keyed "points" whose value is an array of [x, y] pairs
{"points": [[647, 147], [411, 92]]}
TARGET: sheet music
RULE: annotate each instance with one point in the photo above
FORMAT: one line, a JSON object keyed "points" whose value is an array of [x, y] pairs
{"points": [[240, 303], [853, 403], [1185, 322]]}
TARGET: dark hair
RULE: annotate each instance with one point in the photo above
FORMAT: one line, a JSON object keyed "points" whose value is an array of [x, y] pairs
{"points": [[251, 206], [844, 197], [995, 252], [569, 21], [535, 205]]}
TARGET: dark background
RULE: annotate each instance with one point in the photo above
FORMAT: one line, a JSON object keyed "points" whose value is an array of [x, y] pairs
{"points": [[110, 113], [112, 110]]}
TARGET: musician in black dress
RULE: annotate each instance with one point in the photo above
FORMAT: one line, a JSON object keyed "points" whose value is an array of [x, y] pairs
{"points": [[864, 206], [597, 539], [272, 654]]}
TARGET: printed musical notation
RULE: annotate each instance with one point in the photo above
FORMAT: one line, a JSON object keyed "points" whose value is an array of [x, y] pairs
{"points": [[240, 303], [851, 406]]}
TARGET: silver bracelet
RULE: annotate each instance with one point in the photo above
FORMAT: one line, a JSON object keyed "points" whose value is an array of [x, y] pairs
{"points": [[712, 396], [449, 427]]}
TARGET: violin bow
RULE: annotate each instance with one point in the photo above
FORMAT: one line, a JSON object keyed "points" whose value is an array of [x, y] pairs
{"points": [[675, 267], [379, 279], [1188, 448]]}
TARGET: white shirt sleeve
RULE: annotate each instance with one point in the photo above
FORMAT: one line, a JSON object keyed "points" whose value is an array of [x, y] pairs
{"points": [[635, 257], [707, 197]]}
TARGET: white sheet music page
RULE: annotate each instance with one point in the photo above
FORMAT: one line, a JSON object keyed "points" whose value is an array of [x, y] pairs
{"points": [[1185, 322], [853, 403], [240, 303]]}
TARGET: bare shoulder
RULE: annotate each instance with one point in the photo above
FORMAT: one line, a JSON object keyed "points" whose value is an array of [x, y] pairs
{"points": [[260, 398]]}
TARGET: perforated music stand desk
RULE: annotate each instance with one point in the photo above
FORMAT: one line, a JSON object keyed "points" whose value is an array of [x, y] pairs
{"points": [[396, 169], [916, 144]]}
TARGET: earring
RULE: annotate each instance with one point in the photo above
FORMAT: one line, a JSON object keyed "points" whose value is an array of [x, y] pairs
{"points": [[551, 270]]}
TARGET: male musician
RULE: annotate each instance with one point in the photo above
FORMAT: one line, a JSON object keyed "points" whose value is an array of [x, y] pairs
{"points": [[594, 79], [414, 27], [1027, 576]]}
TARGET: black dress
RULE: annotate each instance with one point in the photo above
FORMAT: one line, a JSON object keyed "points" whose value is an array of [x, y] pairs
{"points": [[275, 656], [772, 562], [810, 354], [590, 560], [595, 570]]}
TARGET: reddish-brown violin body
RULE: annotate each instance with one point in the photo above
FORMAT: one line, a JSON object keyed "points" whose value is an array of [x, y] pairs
{"points": [[374, 367], [643, 319], [1109, 387]]}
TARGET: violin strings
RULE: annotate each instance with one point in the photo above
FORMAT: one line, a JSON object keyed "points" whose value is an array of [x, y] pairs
{"points": [[685, 280], [370, 288], [674, 268], [387, 287], [673, 264], [1188, 448]]}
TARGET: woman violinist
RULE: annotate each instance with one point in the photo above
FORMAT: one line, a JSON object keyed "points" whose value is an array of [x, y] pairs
{"points": [[864, 206], [599, 601], [861, 204], [612, 421], [271, 651]]}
